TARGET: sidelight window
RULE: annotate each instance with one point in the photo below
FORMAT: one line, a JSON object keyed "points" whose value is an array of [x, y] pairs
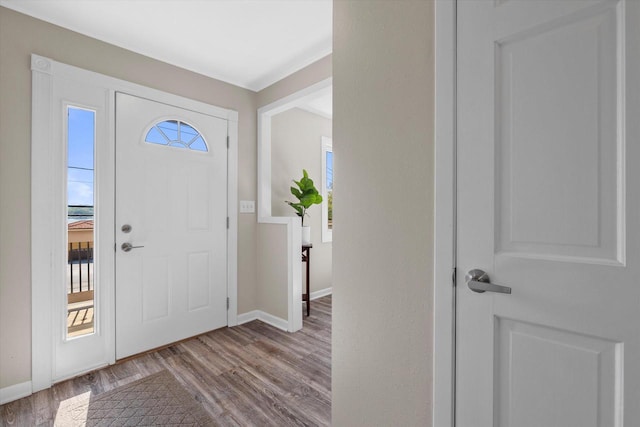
{"points": [[80, 283]]}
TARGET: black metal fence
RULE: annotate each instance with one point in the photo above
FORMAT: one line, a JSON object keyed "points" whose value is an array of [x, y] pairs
{"points": [[80, 260], [80, 255]]}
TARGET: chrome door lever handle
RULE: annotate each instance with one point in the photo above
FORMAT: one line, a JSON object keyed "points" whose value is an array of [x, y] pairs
{"points": [[478, 281], [126, 246]]}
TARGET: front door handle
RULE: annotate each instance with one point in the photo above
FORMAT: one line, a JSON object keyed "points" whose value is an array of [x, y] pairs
{"points": [[126, 246], [478, 281]]}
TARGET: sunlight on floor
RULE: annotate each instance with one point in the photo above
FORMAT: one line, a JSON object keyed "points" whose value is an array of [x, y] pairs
{"points": [[71, 409]]}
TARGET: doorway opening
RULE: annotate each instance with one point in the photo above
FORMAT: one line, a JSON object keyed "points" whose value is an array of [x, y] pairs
{"points": [[285, 148]]}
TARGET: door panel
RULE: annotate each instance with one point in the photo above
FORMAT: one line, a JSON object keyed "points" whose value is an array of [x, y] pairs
{"points": [[544, 194], [174, 285], [542, 75], [531, 357]]}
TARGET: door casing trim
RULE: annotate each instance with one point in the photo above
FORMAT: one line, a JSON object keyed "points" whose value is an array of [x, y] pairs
{"points": [[444, 327], [45, 247]]}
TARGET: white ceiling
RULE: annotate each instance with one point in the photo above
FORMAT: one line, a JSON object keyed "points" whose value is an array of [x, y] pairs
{"points": [[322, 105], [249, 43]]}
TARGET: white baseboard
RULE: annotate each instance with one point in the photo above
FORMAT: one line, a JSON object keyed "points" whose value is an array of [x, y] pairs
{"points": [[15, 392], [267, 318], [321, 293], [274, 321], [248, 317]]}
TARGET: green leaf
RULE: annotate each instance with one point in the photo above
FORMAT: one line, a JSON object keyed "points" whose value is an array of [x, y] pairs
{"points": [[306, 193], [296, 192]]}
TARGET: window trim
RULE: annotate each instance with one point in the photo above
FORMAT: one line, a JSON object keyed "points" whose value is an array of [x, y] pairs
{"points": [[327, 233]]}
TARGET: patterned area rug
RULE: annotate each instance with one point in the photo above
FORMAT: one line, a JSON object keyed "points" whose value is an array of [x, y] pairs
{"points": [[156, 400]]}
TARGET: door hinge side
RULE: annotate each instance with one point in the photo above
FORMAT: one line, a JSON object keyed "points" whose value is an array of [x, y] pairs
{"points": [[227, 141], [454, 276], [227, 303], [227, 223]]}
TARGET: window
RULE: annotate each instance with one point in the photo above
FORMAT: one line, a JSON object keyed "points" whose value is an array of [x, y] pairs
{"points": [[80, 283], [327, 189], [176, 133]]}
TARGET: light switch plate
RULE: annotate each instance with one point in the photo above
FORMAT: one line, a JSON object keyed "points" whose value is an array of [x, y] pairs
{"points": [[247, 206]]}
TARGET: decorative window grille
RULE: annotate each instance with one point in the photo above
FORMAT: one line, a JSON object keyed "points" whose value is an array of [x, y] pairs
{"points": [[175, 133]]}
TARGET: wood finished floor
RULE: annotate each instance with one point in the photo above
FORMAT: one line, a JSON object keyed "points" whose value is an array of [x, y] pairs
{"points": [[249, 375]]}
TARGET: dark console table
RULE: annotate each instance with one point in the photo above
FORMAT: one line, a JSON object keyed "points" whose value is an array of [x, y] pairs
{"points": [[306, 257]]}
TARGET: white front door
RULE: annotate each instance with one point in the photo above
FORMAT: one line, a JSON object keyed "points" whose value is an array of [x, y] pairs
{"points": [[171, 208], [549, 205]]}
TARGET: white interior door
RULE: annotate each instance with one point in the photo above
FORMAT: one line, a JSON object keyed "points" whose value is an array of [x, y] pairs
{"points": [[548, 204], [173, 196]]}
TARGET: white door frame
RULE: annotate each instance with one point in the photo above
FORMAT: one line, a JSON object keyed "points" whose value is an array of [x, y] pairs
{"points": [[444, 328], [47, 247], [294, 234]]}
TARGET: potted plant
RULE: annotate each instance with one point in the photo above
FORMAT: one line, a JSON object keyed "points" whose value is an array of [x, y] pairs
{"points": [[307, 195]]}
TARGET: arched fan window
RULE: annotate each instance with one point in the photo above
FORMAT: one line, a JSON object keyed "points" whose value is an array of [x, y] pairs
{"points": [[176, 133]]}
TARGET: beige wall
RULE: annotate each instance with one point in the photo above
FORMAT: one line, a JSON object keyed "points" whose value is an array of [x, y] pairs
{"points": [[296, 144], [383, 80], [272, 291], [318, 71]]}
